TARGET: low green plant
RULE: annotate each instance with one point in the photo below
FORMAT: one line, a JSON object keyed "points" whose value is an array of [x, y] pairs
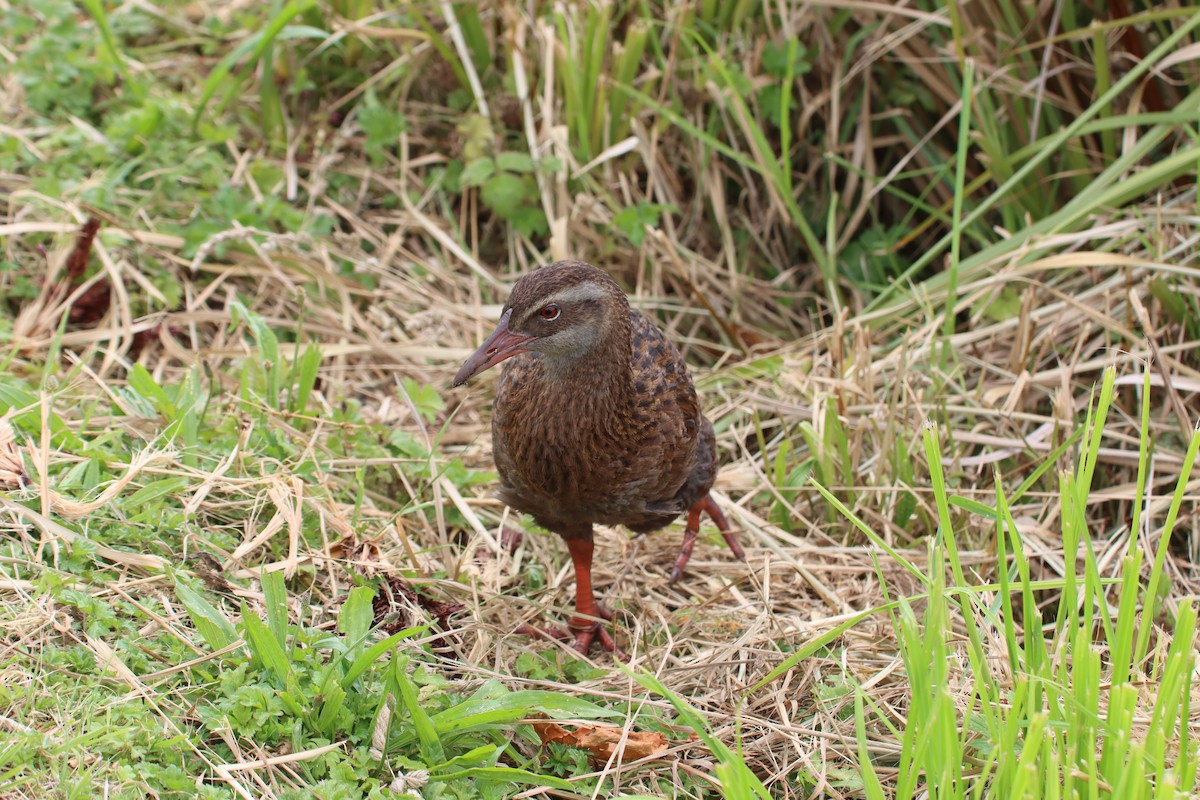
{"points": [[507, 186], [1065, 722], [282, 682]]}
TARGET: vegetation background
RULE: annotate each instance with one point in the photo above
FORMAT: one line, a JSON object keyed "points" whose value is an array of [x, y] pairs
{"points": [[933, 264]]}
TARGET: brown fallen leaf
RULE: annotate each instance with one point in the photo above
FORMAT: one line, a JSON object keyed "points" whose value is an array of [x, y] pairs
{"points": [[749, 337], [90, 306], [391, 614], [601, 741], [509, 539], [367, 553], [208, 569], [143, 339], [77, 261]]}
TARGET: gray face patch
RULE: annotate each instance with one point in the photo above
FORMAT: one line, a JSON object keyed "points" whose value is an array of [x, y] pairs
{"points": [[571, 342], [575, 332]]}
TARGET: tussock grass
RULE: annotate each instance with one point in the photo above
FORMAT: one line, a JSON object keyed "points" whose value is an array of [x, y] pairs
{"points": [[934, 267]]}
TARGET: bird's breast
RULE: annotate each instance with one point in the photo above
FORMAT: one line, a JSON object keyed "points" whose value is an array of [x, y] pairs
{"points": [[565, 455]]}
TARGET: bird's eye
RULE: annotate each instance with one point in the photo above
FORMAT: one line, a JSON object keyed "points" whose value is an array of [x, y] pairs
{"points": [[550, 313]]}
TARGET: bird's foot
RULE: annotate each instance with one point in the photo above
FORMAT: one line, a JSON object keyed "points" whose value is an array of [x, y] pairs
{"points": [[710, 507], [718, 517], [586, 632], [545, 632], [581, 631], [685, 552]]}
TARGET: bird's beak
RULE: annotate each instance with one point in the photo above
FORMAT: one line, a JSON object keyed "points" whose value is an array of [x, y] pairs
{"points": [[502, 344]]}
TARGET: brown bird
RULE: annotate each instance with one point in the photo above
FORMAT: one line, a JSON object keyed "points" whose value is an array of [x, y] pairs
{"points": [[596, 422]]}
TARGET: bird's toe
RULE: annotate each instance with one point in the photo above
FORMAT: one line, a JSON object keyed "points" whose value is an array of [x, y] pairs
{"points": [[545, 632], [597, 632]]}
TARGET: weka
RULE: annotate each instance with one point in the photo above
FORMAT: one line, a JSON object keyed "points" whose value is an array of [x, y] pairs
{"points": [[596, 422]]}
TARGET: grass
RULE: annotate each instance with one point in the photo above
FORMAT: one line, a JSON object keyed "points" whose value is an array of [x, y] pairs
{"points": [[933, 267]]}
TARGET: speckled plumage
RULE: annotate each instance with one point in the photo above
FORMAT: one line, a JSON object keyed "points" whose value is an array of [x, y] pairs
{"points": [[631, 448], [596, 420]]}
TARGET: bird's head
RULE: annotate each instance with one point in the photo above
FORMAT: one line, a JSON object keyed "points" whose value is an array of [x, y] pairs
{"points": [[563, 311]]}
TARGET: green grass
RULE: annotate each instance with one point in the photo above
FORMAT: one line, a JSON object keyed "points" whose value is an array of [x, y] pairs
{"points": [[935, 272]]}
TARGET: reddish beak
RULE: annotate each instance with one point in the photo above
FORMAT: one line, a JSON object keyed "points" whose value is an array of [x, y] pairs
{"points": [[502, 344]]}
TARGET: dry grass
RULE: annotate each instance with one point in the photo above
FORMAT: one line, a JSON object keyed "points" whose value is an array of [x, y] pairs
{"points": [[724, 627]]}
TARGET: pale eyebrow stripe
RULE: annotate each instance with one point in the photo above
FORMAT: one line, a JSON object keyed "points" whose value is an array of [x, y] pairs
{"points": [[579, 293], [583, 291]]}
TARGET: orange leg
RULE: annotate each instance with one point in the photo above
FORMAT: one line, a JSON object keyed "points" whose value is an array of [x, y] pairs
{"points": [[587, 623], [692, 530]]}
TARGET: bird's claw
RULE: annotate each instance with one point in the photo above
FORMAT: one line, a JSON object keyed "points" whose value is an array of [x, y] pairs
{"points": [[597, 631], [692, 530], [588, 629], [545, 632], [581, 631]]}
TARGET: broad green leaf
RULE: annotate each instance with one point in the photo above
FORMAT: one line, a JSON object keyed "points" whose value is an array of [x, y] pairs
{"points": [[212, 625], [478, 171], [263, 645]]}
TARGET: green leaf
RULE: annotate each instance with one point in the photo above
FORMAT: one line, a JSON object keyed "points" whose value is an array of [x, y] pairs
{"points": [[275, 601], [268, 361], [381, 125], [263, 645], [731, 768], [142, 382], [373, 653], [779, 61], [974, 506], [255, 46], [355, 618], [633, 220], [504, 193], [335, 701], [96, 9], [428, 735], [506, 774], [216, 631], [514, 706], [305, 370], [478, 171], [530, 220], [812, 646], [484, 755], [1004, 306], [512, 161], [156, 489], [1172, 301], [425, 398]]}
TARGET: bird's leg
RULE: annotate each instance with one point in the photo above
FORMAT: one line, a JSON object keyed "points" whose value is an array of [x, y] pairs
{"points": [[714, 512], [587, 623], [710, 507], [689, 541]]}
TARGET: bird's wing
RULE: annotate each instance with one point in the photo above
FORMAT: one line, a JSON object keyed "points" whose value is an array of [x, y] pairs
{"points": [[661, 377]]}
